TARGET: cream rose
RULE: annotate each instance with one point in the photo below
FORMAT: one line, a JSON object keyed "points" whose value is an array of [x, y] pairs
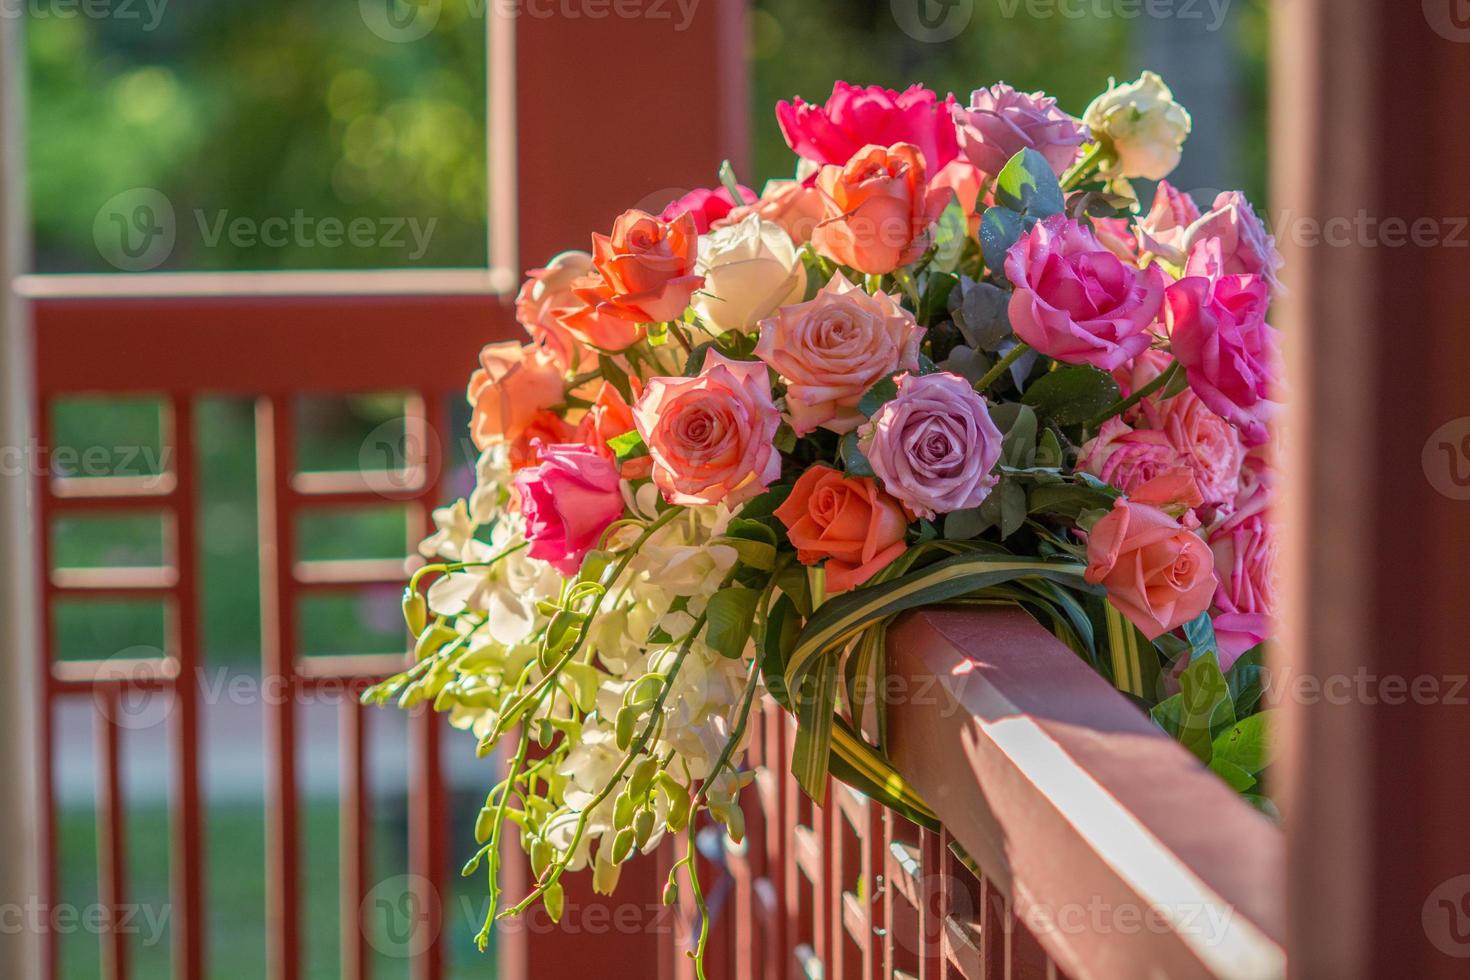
{"points": [[1143, 124], [750, 268]]}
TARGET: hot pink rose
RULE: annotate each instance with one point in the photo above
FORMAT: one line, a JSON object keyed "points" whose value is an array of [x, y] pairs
{"points": [[1219, 334], [1245, 551], [933, 445], [1164, 230], [833, 348], [1157, 571], [706, 206], [514, 382], [711, 436], [855, 117], [846, 520], [544, 297], [1245, 246], [878, 209], [1075, 300], [568, 500], [1001, 122]]}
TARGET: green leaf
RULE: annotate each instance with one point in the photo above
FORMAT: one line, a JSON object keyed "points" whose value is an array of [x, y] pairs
{"points": [[616, 377], [1005, 507], [783, 624], [1071, 395], [1246, 744], [1238, 778], [1206, 707], [1027, 184], [1000, 228], [1134, 662], [1068, 500], [877, 396], [755, 541], [1201, 633], [731, 613], [950, 235], [785, 440], [695, 364], [979, 311], [765, 504], [1018, 423], [853, 459], [627, 446], [1049, 450], [961, 525]]}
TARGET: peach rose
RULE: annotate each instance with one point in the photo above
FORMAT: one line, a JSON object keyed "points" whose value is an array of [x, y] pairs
{"points": [[594, 326], [795, 206], [878, 209], [645, 268], [609, 417], [1157, 571], [711, 436], [513, 383], [846, 520], [833, 348], [544, 297]]}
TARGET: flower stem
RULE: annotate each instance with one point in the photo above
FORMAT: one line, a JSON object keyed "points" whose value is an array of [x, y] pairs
{"points": [[1084, 167], [1002, 366], [1123, 404]]}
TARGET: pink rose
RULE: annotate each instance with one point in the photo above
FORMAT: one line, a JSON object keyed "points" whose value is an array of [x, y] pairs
{"points": [[1001, 122], [833, 348], [1157, 571], [878, 209], [933, 445], [711, 436], [855, 117], [1219, 334], [846, 520], [1127, 458], [544, 297], [1205, 442], [706, 206], [1078, 302], [1245, 552], [1117, 236], [1245, 246], [1164, 230], [568, 499], [513, 383]]}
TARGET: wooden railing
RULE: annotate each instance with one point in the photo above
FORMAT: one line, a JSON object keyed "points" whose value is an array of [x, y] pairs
{"points": [[1079, 841]]}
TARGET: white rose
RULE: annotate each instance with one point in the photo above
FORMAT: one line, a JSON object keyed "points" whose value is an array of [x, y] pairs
{"points": [[750, 268], [1144, 125]]}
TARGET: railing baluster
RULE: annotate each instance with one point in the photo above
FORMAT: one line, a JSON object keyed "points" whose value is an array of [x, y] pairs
{"points": [[111, 837], [353, 841]]}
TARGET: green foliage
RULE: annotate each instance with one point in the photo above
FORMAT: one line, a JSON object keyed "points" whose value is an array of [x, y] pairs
{"points": [[1071, 394]]}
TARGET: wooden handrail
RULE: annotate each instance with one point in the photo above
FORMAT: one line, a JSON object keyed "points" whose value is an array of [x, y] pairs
{"points": [[1121, 853]]}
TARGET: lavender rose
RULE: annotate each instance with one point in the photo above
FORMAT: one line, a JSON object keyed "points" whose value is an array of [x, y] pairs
{"points": [[933, 445], [1001, 122], [1078, 302]]}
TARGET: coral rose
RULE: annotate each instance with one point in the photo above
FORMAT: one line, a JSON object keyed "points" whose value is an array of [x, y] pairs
{"points": [[1157, 571], [1218, 333], [544, 297], [512, 384], [846, 520], [1001, 122], [749, 268], [1245, 550], [645, 268], [833, 348], [711, 436], [609, 417], [855, 117], [568, 499], [933, 445], [544, 429], [878, 209], [792, 204], [1075, 300]]}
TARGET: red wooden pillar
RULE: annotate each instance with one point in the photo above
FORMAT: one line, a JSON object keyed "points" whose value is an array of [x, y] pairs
{"points": [[1369, 185]]}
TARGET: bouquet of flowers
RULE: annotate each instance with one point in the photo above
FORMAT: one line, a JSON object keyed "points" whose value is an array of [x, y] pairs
{"points": [[951, 360]]}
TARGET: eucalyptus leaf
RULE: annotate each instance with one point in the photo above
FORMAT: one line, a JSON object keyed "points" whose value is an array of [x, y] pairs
{"points": [[950, 235], [961, 525], [853, 459], [1027, 184], [1000, 228], [1072, 394], [1017, 422], [979, 311]]}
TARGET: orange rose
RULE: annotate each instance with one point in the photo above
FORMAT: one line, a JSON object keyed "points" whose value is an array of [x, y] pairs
{"points": [[593, 325], [1158, 572], [545, 428], [645, 269], [878, 209], [512, 384], [848, 521], [544, 297], [609, 417]]}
